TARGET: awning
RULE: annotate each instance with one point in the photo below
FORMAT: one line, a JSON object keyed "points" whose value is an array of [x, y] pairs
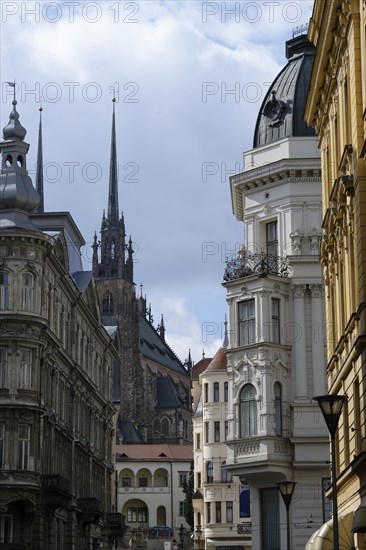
{"points": [[216, 542], [323, 538]]}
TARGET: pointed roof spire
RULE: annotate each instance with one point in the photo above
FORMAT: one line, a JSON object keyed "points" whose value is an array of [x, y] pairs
{"points": [[162, 328], [39, 173], [14, 130], [113, 176], [189, 362], [203, 354], [226, 338]]}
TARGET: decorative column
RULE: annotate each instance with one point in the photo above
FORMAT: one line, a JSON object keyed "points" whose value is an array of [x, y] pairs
{"points": [[300, 342], [317, 341]]}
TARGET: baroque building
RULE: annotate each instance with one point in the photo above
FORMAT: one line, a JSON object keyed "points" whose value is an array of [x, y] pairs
{"points": [[336, 107], [150, 383], [276, 355], [56, 413], [221, 503]]}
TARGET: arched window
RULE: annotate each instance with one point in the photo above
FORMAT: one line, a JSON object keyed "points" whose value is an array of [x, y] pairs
{"points": [[156, 426], [225, 475], [248, 411], [277, 388], [107, 305], [4, 291], [209, 472], [165, 426]]}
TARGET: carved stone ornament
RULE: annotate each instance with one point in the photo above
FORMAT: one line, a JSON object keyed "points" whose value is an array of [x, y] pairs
{"points": [[298, 290]]}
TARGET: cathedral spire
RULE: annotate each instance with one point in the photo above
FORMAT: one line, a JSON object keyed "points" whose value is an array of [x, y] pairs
{"points": [[39, 173], [113, 176]]}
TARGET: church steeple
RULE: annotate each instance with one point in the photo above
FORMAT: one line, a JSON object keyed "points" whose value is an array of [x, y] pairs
{"points": [[39, 173], [113, 175]]}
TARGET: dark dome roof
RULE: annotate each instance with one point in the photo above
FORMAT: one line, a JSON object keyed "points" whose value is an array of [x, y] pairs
{"points": [[281, 114]]}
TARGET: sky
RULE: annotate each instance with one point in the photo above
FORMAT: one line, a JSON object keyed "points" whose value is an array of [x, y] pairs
{"points": [[189, 78]]}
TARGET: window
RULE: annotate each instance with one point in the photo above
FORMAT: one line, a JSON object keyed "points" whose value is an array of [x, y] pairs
{"points": [[244, 501], [226, 393], [275, 304], [218, 511], [142, 481], [205, 393], [248, 411], [25, 373], [207, 432], [247, 322], [225, 475], [209, 472], [229, 512], [208, 512], [216, 392], [272, 238], [165, 426], [278, 408], [327, 504], [24, 446], [199, 479], [181, 508], [226, 429], [217, 431], [137, 515], [4, 291], [2, 445], [3, 368], [27, 292], [270, 513], [6, 528], [198, 441], [182, 478], [107, 305], [126, 482]]}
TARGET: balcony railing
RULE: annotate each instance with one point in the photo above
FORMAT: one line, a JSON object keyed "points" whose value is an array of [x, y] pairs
{"points": [[55, 483], [89, 505], [256, 264], [144, 489]]}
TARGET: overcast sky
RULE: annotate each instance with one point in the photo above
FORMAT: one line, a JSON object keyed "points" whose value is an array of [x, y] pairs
{"points": [[189, 78]]}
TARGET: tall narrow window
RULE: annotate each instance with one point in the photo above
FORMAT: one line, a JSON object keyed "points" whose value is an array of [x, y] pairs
{"points": [[208, 512], [217, 431], [248, 411], [207, 432], [107, 305], [205, 387], [27, 292], [229, 512], [209, 472], [3, 368], [226, 393], [4, 291], [226, 429], [24, 446], [270, 514], [275, 305], [225, 474], [199, 479], [278, 407], [218, 511], [25, 373], [216, 392], [6, 528], [198, 441], [2, 445], [272, 239], [247, 322]]}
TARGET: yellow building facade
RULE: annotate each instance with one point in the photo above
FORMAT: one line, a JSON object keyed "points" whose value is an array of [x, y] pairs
{"points": [[336, 107]]}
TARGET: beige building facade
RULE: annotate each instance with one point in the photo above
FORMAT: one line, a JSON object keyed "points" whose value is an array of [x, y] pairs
{"points": [[336, 107]]}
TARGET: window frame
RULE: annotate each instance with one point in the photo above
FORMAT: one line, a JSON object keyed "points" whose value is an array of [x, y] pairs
{"points": [[26, 369], [246, 322], [2, 443], [278, 408], [275, 321], [4, 290], [226, 392], [4, 379], [217, 431], [272, 241], [27, 296], [248, 412], [229, 512], [209, 472], [216, 392], [24, 447]]}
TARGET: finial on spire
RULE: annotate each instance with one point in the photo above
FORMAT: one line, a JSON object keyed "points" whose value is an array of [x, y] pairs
{"points": [[189, 362], [141, 287], [14, 130], [162, 328], [203, 354], [113, 209], [39, 172]]}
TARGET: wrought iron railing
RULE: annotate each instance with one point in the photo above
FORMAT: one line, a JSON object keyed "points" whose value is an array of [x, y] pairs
{"points": [[89, 505], [55, 483], [256, 264]]}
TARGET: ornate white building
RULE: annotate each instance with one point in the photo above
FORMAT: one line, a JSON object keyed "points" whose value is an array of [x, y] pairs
{"points": [[221, 503], [276, 355]]}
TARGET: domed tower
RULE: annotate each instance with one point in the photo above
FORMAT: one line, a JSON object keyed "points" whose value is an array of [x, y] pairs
{"points": [[276, 355]]}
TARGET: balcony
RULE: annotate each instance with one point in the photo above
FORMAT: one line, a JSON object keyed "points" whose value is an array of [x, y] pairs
{"points": [[56, 491], [256, 264], [89, 510], [115, 523]]}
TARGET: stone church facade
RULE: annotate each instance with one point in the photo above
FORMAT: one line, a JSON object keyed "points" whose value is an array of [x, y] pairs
{"points": [[150, 383]]}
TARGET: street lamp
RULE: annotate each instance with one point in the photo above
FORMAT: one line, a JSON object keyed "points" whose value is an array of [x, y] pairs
{"points": [[331, 407], [181, 536], [198, 535], [286, 489]]}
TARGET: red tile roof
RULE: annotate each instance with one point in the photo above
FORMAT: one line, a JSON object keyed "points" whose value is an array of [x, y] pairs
{"points": [[199, 367], [219, 362], [160, 452]]}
